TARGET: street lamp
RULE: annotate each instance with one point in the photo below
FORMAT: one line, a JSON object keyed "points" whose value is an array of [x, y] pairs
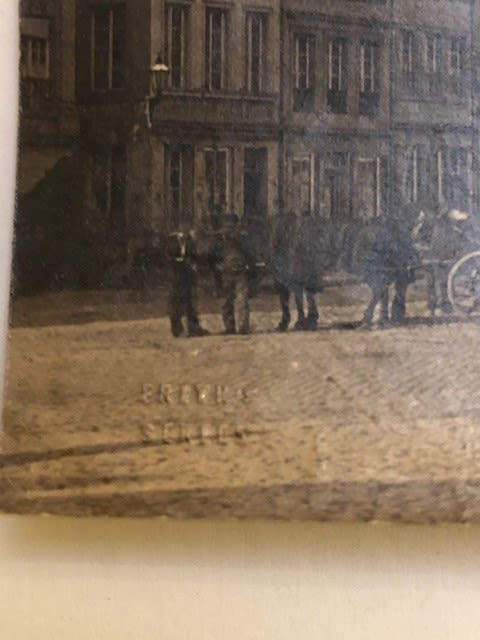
{"points": [[158, 75]]}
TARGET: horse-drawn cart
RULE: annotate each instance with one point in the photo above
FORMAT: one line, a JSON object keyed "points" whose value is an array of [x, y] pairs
{"points": [[464, 284]]}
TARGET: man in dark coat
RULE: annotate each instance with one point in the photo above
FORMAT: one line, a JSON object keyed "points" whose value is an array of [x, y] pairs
{"points": [[182, 257], [236, 265]]}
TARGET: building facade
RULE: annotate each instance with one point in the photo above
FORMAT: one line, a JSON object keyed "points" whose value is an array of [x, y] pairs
{"points": [[207, 142], [344, 109], [433, 120], [336, 108], [48, 112]]}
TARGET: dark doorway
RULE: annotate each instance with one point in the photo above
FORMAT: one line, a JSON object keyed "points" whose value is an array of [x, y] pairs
{"points": [[255, 183]]}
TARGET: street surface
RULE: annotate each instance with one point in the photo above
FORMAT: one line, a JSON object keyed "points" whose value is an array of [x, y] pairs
{"points": [[120, 417]]}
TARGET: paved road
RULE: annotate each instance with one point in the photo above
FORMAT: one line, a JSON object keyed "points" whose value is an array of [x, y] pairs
{"points": [[102, 410]]}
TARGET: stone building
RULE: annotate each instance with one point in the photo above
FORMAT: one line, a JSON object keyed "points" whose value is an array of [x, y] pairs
{"points": [[336, 107], [48, 116], [344, 109], [50, 212], [432, 109], [203, 144], [377, 106]]}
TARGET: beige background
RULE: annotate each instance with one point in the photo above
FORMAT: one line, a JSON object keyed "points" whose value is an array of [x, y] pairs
{"points": [[100, 579]]}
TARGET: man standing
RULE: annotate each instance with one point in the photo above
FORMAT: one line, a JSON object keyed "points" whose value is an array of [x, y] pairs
{"points": [[235, 264], [182, 257]]}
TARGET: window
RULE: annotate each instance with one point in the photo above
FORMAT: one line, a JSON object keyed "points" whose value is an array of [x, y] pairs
{"points": [[369, 78], [370, 186], [335, 191], [412, 175], [177, 16], [302, 184], [440, 174], [34, 71], [109, 179], [34, 57], [256, 41], [35, 62], [176, 171], [433, 63], [303, 70], [255, 182], [459, 191], [215, 61], [108, 29], [457, 63], [217, 174], [337, 76], [408, 59]]}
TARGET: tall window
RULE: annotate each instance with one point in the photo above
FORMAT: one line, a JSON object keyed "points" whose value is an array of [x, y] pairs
{"points": [[177, 16], [256, 32], [175, 179], [408, 59], [369, 78], [459, 191], [412, 174], [217, 174], [302, 184], [108, 30], [303, 72], [337, 76], [215, 60], [34, 70], [433, 62], [457, 63], [109, 180], [34, 57]]}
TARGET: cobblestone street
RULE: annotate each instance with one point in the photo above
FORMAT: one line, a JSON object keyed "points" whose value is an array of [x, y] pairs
{"points": [[105, 408]]}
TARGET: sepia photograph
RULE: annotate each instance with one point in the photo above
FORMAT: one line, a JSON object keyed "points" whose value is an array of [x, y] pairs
{"points": [[246, 261]]}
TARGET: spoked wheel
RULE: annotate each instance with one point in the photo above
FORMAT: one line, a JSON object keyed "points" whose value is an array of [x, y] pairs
{"points": [[464, 284]]}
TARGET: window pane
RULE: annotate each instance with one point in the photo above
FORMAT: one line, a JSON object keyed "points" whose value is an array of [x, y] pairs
{"points": [[256, 28], [101, 48], [215, 49], [118, 47], [176, 38]]}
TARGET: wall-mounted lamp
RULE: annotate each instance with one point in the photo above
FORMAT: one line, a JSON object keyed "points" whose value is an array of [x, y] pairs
{"points": [[158, 78]]}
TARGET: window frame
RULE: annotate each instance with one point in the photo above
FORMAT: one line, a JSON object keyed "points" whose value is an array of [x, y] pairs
{"points": [[224, 15], [409, 43], [174, 81], [303, 71], [433, 62], [214, 204], [115, 36], [457, 51], [300, 158], [370, 60], [262, 23], [337, 74]]}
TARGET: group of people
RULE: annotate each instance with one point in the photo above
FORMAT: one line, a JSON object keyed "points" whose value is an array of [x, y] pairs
{"points": [[232, 264], [297, 251]]}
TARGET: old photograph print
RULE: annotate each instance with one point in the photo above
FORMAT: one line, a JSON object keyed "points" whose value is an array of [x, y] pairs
{"points": [[246, 272]]}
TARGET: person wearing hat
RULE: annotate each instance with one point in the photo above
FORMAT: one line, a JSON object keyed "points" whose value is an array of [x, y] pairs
{"points": [[182, 257], [235, 263], [450, 239]]}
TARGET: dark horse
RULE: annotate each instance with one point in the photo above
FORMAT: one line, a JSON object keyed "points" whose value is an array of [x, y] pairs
{"points": [[383, 254], [379, 252], [302, 251]]}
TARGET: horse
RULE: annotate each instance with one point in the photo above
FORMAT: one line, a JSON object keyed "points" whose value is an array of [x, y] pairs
{"points": [[384, 253], [302, 250]]}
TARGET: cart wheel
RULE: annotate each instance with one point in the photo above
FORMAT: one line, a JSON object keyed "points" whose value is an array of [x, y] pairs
{"points": [[464, 284]]}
